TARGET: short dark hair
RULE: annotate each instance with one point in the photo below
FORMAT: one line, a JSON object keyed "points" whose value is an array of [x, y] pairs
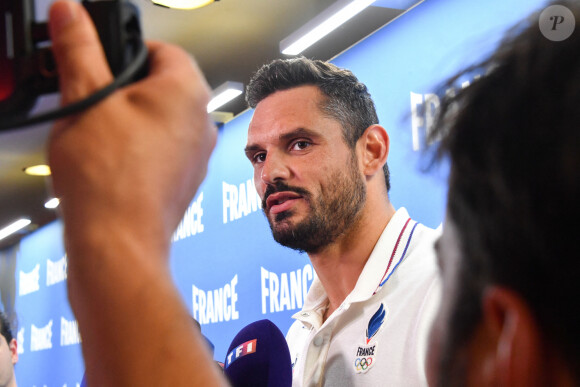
{"points": [[513, 138], [5, 329], [347, 100]]}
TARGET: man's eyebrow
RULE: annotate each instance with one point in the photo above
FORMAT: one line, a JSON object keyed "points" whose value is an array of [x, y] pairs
{"points": [[249, 149], [300, 132]]}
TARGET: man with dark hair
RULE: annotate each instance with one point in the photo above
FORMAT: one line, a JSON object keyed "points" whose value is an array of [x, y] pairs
{"points": [[319, 159], [8, 354], [508, 256], [508, 260]]}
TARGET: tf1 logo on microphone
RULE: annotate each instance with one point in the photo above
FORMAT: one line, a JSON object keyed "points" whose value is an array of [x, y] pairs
{"points": [[240, 351]]}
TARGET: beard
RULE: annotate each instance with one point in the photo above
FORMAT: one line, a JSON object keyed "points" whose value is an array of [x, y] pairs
{"points": [[333, 212]]}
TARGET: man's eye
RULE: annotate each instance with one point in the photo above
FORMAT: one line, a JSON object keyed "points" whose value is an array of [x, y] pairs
{"points": [[299, 145], [259, 157]]}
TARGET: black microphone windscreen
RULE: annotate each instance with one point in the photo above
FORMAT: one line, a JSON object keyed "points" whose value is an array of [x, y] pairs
{"points": [[259, 356]]}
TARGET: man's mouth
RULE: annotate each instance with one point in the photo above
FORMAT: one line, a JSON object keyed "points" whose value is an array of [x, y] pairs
{"points": [[281, 201]]}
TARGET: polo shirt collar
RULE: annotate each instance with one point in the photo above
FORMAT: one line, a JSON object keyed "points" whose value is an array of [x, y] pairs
{"points": [[375, 271]]}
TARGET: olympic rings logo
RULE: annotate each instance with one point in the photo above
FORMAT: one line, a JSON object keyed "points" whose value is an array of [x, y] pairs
{"points": [[363, 363]]}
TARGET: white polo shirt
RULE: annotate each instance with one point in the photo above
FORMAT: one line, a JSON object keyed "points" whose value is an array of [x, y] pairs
{"points": [[378, 335]]}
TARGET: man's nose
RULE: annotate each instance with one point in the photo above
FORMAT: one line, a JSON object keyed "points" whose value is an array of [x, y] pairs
{"points": [[274, 169]]}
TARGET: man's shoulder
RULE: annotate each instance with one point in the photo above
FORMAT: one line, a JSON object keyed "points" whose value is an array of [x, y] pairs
{"points": [[420, 258], [424, 239]]}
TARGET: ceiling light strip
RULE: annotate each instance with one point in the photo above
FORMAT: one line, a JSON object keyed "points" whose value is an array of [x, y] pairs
{"points": [[322, 25], [224, 94], [14, 227]]}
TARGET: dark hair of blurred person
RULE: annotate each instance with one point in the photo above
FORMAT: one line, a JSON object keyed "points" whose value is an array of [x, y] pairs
{"points": [[508, 254]]}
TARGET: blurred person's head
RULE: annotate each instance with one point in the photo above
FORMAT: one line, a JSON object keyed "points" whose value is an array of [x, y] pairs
{"points": [[8, 354], [509, 257]]}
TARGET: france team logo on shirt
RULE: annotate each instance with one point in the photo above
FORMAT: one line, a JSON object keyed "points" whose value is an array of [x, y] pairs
{"points": [[365, 354], [375, 323]]}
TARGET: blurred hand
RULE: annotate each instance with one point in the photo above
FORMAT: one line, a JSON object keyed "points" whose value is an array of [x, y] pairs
{"points": [[137, 157], [126, 169]]}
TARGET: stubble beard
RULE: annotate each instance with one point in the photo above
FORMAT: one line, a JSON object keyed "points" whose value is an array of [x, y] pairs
{"points": [[332, 213]]}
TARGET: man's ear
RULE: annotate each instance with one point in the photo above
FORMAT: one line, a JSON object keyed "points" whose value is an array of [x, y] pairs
{"points": [[13, 346], [373, 147], [515, 352]]}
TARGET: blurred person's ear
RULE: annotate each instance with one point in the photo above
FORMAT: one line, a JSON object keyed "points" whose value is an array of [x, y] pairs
{"points": [[13, 346], [507, 349]]}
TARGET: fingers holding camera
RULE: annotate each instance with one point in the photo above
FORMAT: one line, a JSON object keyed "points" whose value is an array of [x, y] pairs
{"points": [[126, 169], [77, 50], [151, 136], [182, 116]]}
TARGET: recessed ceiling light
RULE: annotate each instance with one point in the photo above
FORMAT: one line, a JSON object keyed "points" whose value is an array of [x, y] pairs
{"points": [[52, 203], [37, 170], [183, 4]]}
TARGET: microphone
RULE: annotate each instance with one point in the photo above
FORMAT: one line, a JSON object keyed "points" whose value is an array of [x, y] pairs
{"points": [[259, 356]]}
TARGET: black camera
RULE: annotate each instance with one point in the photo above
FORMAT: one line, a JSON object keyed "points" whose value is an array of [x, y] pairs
{"points": [[27, 68]]}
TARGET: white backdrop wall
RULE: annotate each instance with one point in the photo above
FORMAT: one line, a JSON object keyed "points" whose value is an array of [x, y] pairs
{"points": [[224, 261]]}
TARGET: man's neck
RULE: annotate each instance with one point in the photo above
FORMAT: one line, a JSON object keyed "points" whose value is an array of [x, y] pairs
{"points": [[339, 265]]}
